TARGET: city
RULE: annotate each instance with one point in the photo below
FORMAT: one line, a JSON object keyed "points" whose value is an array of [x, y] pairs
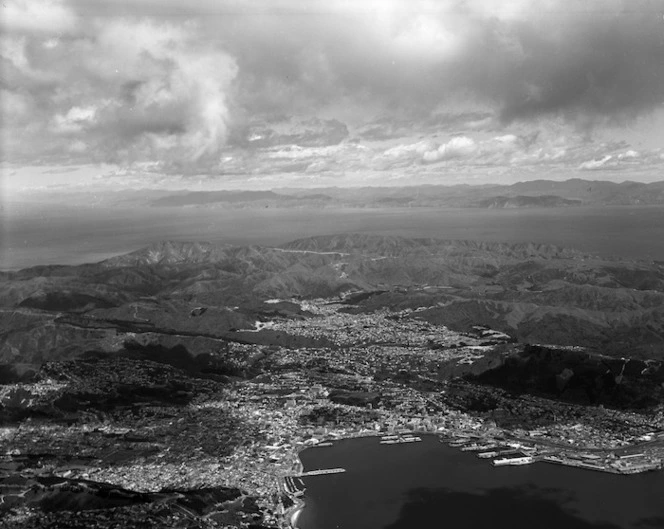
{"points": [[388, 374]]}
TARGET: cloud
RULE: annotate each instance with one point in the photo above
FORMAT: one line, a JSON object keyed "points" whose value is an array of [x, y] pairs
{"points": [[401, 155], [312, 132], [124, 91], [61, 170], [457, 147], [76, 119], [525, 60], [596, 164], [180, 85], [37, 16], [627, 160], [629, 155]]}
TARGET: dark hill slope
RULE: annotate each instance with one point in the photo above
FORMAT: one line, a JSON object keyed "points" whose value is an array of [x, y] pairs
{"points": [[534, 292]]}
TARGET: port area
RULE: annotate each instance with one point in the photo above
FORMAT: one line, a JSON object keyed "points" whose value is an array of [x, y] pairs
{"points": [[501, 450], [512, 452], [399, 439], [294, 485]]}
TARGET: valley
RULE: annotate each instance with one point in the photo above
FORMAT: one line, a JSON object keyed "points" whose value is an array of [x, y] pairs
{"points": [[174, 386]]}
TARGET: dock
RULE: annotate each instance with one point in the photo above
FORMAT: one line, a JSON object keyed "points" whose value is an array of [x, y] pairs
{"points": [[399, 440], [514, 461], [321, 472]]}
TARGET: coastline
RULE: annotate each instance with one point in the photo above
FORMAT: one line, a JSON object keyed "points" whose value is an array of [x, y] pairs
{"points": [[299, 507], [367, 492], [293, 512]]}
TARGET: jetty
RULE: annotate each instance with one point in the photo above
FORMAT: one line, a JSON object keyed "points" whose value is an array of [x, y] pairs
{"points": [[321, 472]]}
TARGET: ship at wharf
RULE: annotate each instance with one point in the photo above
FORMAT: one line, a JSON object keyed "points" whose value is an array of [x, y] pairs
{"points": [[503, 453], [399, 439]]}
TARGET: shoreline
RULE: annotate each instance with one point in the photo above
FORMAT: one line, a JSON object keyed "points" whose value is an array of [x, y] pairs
{"points": [[293, 513], [292, 519], [365, 456]]}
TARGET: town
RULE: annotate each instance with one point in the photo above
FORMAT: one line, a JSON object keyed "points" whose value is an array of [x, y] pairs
{"points": [[388, 375]]}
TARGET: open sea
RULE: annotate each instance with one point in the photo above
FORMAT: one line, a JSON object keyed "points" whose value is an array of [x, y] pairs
{"points": [[431, 485], [32, 234]]}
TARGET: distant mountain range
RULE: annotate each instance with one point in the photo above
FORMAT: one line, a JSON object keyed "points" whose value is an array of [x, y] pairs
{"points": [[235, 197], [529, 194], [532, 194]]}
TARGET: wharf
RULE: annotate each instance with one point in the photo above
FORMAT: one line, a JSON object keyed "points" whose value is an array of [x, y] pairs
{"points": [[478, 447], [556, 460], [602, 466], [400, 440], [321, 472]]}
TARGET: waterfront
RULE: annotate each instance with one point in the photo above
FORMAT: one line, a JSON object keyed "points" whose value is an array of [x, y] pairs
{"points": [[429, 483]]}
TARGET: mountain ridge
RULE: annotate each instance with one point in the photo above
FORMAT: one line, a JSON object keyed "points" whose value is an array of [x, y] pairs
{"points": [[530, 291], [533, 193]]}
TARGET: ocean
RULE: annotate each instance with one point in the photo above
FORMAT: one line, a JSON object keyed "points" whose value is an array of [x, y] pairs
{"points": [[39, 234]]}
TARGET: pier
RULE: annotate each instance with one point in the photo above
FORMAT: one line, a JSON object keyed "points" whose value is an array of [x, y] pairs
{"points": [[321, 471]]}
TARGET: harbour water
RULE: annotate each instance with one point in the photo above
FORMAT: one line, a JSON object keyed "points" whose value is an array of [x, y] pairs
{"points": [[430, 484]]}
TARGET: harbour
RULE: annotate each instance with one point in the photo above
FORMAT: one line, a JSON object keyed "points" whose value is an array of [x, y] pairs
{"points": [[417, 481], [503, 452]]}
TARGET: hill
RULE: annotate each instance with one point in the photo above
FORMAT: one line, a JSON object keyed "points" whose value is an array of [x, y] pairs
{"points": [[535, 193], [176, 381], [535, 293], [521, 201]]}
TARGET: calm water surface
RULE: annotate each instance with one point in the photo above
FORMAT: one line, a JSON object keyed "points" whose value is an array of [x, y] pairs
{"points": [[431, 485], [40, 234]]}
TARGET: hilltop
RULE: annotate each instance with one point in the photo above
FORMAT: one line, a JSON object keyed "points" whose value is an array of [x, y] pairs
{"points": [[536, 293]]}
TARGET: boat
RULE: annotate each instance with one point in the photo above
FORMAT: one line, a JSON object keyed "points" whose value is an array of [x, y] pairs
{"points": [[525, 460], [458, 443], [479, 446], [410, 439]]}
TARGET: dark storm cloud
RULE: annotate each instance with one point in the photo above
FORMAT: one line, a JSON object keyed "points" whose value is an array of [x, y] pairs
{"points": [[602, 65], [587, 61]]}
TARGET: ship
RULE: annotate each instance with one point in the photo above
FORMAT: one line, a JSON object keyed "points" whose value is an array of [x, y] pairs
{"points": [[479, 447], [524, 460], [459, 442], [400, 440]]}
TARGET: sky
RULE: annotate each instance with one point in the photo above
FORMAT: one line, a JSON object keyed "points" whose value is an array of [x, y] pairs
{"points": [[113, 94]]}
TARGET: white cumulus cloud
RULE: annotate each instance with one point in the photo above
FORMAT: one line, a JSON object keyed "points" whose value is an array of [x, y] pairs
{"points": [[457, 147], [595, 164]]}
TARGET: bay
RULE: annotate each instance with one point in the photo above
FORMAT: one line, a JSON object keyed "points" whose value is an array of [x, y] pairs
{"points": [[429, 484]]}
